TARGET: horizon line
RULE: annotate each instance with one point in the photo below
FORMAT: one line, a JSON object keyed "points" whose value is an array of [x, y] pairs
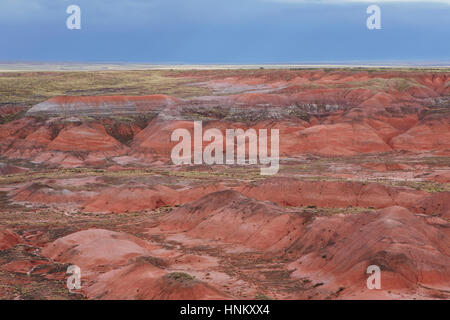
{"points": [[120, 65]]}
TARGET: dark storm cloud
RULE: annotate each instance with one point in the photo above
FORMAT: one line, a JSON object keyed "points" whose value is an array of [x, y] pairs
{"points": [[231, 31]]}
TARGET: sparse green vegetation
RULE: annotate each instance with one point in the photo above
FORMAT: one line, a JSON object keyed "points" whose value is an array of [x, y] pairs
{"points": [[29, 88], [236, 172], [180, 277], [333, 211], [383, 85], [158, 262], [298, 112], [69, 173], [260, 296]]}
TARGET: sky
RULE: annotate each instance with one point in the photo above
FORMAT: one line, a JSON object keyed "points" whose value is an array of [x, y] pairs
{"points": [[225, 31]]}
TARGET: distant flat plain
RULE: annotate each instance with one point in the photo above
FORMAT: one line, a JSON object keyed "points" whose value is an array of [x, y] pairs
{"points": [[78, 66]]}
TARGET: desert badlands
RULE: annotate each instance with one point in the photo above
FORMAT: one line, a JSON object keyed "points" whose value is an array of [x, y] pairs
{"points": [[87, 180]]}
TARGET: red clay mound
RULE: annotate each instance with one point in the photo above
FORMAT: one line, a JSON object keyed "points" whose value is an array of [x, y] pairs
{"points": [[409, 251], [145, 281], [438, 82], [422, 92], [120, 200], [153, 142], [332, 194], [29, 139], [33, 144], [334, 139], [119, 266], [433, 135], [385, 130], [97, 248], [379, 100], [344, 139], [43, 193], [100, 100], [67, 144], [8, 239], [43, 136], [231, 217], [16, 128], [86, 137]]}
